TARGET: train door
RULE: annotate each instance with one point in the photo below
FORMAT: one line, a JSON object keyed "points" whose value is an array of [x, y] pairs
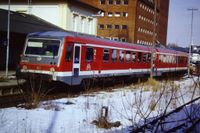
{"points": [[77, 60]]}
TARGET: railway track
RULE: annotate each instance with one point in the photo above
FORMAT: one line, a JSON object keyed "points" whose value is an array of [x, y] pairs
{"points": [[13, 95]]}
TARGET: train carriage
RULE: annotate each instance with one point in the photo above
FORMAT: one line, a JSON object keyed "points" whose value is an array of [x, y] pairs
{"points": [[71, 57]]}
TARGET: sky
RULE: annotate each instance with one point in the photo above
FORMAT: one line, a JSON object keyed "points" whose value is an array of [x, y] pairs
{"points": [[179, 22]]}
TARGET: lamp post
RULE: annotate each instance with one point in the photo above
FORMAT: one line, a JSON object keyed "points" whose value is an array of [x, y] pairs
{"points": [[154, 39], [8, 40], [191, 38]]}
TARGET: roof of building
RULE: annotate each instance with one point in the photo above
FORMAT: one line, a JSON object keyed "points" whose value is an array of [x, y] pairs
{"points": [[24, 23], [77, 2]]}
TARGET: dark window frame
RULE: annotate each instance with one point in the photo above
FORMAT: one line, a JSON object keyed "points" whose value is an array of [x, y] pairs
{"points": [[110, 2], [77, 54], [144, 58], [133, 59], [121, 58], [125, 2], [89, 55], [101, 26], [102, 2], [128, 60], [109, 26], [139, 57], [69, 53], [124, 14], [114, 55], [124, 27], [106, 55], [117, 27], [117, 2], [148, 57]]}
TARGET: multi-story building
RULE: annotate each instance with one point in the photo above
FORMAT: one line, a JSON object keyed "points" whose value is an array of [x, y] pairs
{"points": [[72, 15], [132, 20]]}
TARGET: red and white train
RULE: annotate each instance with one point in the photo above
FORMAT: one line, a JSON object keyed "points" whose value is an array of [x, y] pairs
{"points": [[72, 57]]}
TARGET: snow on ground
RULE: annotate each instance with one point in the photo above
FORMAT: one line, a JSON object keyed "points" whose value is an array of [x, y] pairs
{"points": [[130, 105]]}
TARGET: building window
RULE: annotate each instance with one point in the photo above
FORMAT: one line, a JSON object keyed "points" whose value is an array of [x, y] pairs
{"points": [[106, 55], [125, 14], [110, 2], [102, 2], [115, 38], [102, 14], [139, 29], [110, 14], [75, 22], [83, 24], [117, 14], [124, 27], [109, 38], [101, 26], [90, 25], [109, 26], [116, 26], [125, 2], [118, 2], [123, 39]]}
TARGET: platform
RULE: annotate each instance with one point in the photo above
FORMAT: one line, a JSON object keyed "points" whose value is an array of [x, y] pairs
{"points": [[10, 81]]}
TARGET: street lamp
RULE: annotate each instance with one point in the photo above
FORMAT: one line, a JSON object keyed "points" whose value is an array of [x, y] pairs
{"points": [[191, 38], [154, 39], [8, 40]]}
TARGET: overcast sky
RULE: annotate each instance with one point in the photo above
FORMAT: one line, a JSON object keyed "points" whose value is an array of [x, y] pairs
{"points": [[179, 24]]}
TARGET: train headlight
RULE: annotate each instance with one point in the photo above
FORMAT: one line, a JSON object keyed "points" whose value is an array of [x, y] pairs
{"points": [[52, 69], [24, 67]]}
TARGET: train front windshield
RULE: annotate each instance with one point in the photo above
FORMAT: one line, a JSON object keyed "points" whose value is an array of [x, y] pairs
{"points": [[42, 47]]}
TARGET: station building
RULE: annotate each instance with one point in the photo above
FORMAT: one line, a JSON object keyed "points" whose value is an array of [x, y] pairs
{"points": [[72, 15]]}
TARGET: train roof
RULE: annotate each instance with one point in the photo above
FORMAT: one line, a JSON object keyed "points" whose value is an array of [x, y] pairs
{"points": [[85, 38], [91, 39]]}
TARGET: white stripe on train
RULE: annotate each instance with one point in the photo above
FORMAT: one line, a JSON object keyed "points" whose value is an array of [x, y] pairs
{"points": [[102, 72]]}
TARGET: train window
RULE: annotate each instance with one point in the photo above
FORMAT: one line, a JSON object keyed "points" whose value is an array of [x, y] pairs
{"points": [[42, 47], [77, 54], [69, 53], [114, 55], [128, 56], [149, 57], [121, 56], [89, 54], [106, 55], [144, 57], [139, 57], [133, 57]]}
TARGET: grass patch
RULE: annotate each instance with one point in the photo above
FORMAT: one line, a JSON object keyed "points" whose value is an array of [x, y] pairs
{"points": [[150, 84]]}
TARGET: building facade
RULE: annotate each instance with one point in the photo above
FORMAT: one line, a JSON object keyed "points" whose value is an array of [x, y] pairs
{"points": [[132, 20], [69, 15]]}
